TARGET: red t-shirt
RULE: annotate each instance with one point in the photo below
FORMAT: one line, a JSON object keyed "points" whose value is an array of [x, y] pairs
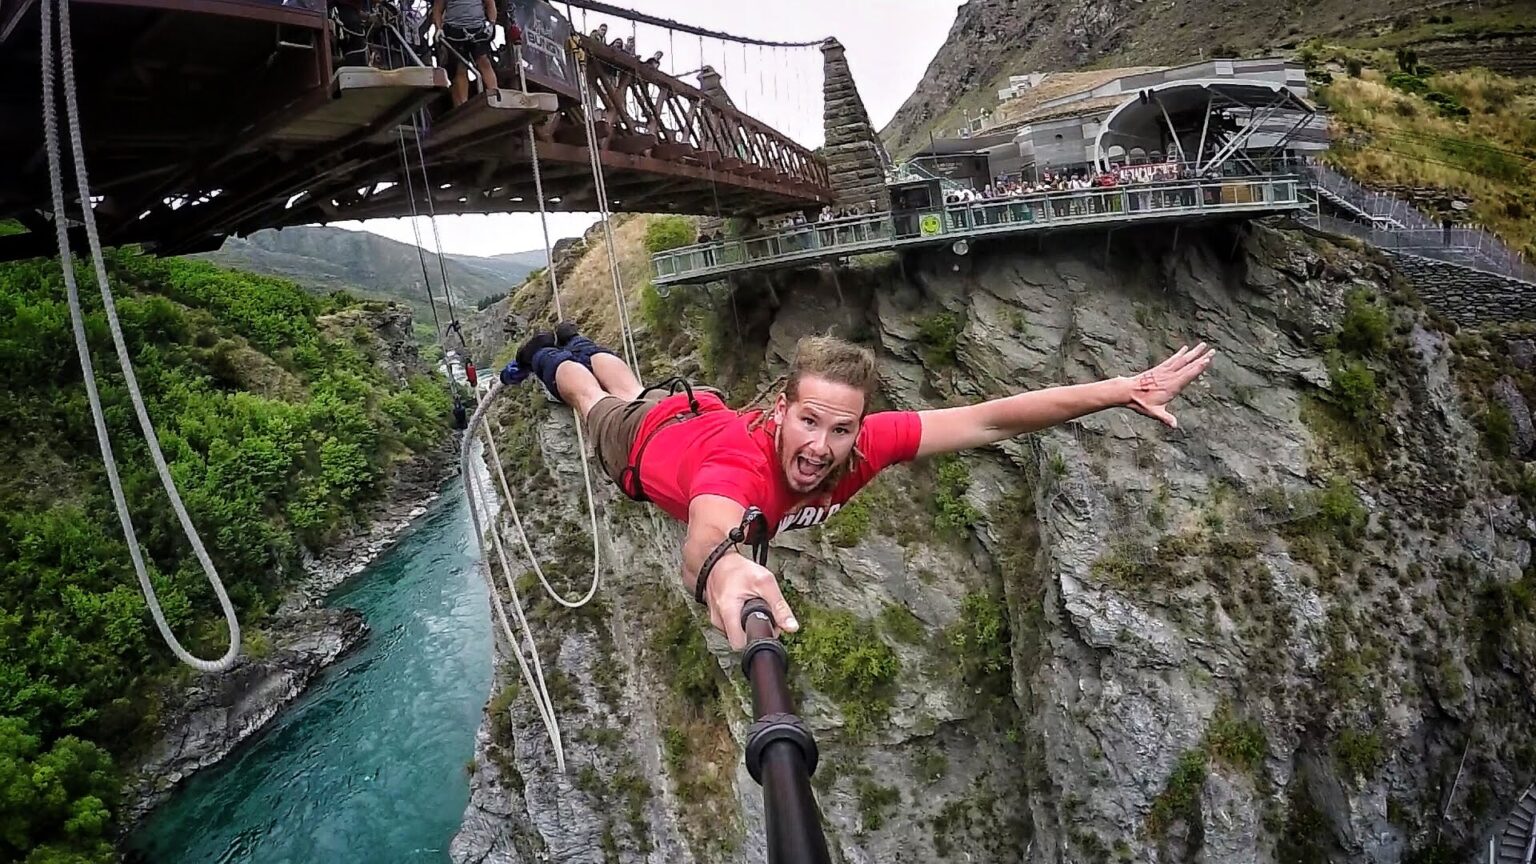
{"points": [[716, 453]]}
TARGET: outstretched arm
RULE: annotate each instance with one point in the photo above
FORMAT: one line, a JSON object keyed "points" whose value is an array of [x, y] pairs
{"points": [[947, 430], [735, 578]]}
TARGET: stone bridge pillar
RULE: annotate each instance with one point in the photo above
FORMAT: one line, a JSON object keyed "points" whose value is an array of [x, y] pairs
{"points": [[709, 82], [855, 158]]}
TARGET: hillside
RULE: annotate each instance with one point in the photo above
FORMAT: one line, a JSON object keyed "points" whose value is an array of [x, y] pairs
{"points": [[284, 417], [991, 39], [1459, 144], [325, 259]]}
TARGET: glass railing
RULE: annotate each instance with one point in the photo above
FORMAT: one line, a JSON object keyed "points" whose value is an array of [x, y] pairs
{"points": [[856, 234]]}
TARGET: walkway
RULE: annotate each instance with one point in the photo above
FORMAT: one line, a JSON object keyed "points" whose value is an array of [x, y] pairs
{"points": [[1180, 201], [1388, 222]]}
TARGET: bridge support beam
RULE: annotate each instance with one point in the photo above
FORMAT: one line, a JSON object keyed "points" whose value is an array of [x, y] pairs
{"points": [[855, 157]]}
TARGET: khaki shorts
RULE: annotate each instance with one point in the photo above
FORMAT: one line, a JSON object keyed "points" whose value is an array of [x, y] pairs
{"points": [[613, 424]]}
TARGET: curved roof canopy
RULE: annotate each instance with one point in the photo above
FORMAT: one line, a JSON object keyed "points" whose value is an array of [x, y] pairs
{"points": [[1192, 109]]}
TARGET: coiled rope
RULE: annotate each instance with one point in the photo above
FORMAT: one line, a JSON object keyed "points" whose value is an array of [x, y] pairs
{"points": [[88, 371]]}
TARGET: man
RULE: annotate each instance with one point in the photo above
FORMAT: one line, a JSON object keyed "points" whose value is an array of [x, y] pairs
{"points": [[466, 30], [798, 461]]}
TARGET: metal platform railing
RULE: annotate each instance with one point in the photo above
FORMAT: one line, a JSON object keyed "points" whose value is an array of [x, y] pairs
{"points": [[1183, 200]]}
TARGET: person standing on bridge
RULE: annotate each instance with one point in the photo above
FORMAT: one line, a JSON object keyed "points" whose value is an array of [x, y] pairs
{"points": [[466, 28], [795, 464]]}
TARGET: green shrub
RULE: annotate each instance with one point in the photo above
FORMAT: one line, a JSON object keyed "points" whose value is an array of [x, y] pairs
{"points": [[1498, 430], [1408, 83], [939, 335], [1354, 67], [1236, 742], [1366, 324], [1353, 390], [875, 802], [1359, 753], [846, 660], [982, 640], [669, 232], [1341, 511], [1180, 799], [955, 513]]}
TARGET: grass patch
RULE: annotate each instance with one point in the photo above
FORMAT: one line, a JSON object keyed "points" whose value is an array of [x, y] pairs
{"points": [[900, 624], [982, 639], [1236, 742], [1359, 753], [955, 514], [1180, 799], [846, 660]]}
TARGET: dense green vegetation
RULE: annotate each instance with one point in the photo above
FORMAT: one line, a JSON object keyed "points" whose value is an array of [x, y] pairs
{"points": [[275, 435]]}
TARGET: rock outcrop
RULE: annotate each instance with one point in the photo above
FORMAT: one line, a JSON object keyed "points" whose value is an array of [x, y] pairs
{"points": [[1271, 634], [204, 722], [854, 154]]}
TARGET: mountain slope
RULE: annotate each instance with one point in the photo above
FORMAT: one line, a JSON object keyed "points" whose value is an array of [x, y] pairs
{"points": [[992, 39], [327, 259]]}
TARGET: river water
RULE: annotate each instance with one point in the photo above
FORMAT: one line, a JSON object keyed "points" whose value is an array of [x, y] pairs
{"points": [[370, 764]]}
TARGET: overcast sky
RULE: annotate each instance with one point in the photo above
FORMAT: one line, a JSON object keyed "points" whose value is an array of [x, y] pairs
{"points": [[889, 45]]}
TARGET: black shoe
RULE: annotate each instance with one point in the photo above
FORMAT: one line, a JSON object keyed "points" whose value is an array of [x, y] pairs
{"points": [[564, 332], [536, 342]]}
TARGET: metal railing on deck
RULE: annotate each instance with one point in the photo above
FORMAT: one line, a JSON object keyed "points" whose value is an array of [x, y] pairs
{"points": [[1036, 211]]}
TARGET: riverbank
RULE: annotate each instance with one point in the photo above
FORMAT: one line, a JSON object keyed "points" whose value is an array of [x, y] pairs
{"points": [[208, 716]]}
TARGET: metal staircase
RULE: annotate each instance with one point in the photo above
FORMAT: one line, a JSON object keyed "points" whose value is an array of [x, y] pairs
{"points": [[1515, 842]]}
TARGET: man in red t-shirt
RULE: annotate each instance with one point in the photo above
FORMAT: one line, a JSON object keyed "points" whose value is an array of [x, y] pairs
{"points": [[799, 460]]}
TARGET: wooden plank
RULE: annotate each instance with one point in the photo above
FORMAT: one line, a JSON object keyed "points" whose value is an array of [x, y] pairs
{"points": [[254, 10]]}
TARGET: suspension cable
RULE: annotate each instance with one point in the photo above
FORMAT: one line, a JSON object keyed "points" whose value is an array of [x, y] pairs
{"points": [[77, 317], [632, 15]]}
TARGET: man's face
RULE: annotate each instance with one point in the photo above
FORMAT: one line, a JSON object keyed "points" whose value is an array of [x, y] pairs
{"points": [[817, 431]]}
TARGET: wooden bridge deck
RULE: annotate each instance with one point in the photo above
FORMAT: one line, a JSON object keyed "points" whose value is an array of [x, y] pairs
{"points": [[205, 118]]}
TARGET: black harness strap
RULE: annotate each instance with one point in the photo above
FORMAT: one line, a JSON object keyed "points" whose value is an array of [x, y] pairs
{"points": [[629, 478]]}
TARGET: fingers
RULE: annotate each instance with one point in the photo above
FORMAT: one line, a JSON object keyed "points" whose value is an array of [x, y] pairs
{"points": [[728, 612], [782, 615]]}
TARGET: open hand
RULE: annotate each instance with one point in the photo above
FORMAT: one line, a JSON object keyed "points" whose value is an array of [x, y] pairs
{"points": [[735, 580], [1156, 387]]}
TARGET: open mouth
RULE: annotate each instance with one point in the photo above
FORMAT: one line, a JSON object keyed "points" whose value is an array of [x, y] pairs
{"points": [[809, 469]]}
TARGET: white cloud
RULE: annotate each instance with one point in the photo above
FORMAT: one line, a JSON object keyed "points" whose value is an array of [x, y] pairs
{"points": [[889, 42]]}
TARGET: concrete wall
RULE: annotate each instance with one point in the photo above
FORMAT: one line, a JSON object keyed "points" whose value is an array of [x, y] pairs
{"points": [[1467, 296]]}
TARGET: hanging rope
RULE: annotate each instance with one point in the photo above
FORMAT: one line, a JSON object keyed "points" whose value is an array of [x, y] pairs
{"points": [[77, 318], [626, 334], [437, 238], [421, 254]]}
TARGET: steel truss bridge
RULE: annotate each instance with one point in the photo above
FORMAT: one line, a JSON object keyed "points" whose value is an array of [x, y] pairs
{"points": [[207, 118]]}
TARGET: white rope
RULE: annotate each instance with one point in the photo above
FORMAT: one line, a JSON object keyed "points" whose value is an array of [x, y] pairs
{"points": [[533, 676], [77, 317], [626, 334], [581, 442]]}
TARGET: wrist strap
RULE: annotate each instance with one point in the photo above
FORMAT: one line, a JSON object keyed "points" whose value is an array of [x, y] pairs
{"points": [[739, 534]]}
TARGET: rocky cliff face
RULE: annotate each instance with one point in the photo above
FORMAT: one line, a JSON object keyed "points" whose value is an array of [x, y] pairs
{"points": [[1297, 628], [992, 39]]}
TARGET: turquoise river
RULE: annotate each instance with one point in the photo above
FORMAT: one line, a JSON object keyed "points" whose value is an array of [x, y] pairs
{"points": [[370, 764]]}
